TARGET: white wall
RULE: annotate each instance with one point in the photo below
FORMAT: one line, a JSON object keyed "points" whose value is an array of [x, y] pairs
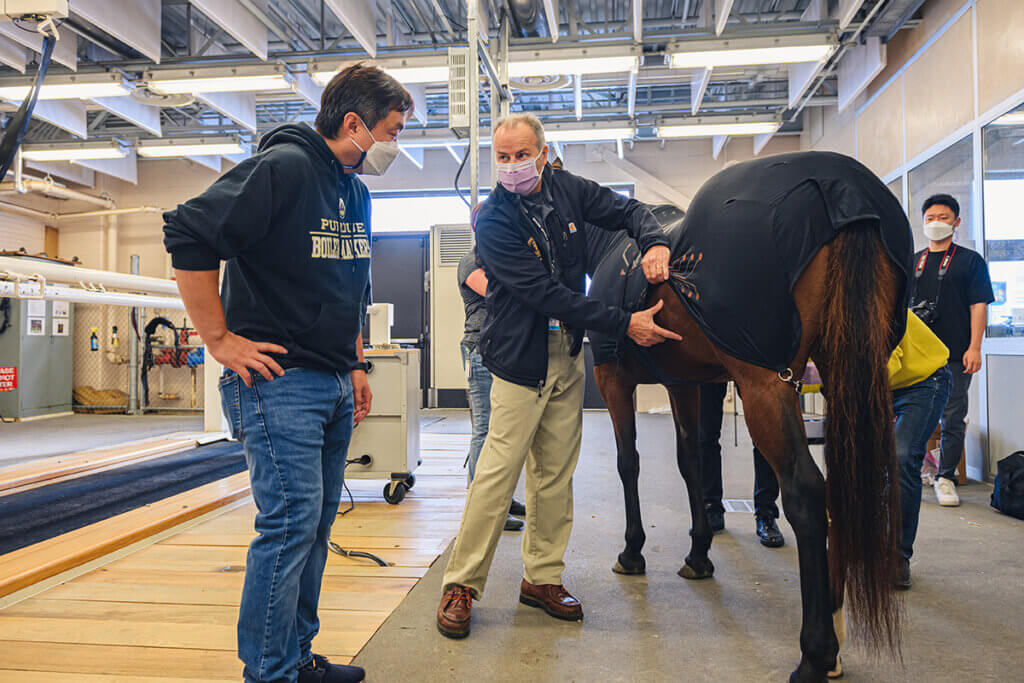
{"points": [[17, 231]]}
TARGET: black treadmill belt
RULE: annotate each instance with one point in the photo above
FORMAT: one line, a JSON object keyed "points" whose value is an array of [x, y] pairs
{"points": [[48, 511]]}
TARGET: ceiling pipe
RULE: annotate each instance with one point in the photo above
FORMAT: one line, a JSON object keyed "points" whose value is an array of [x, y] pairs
{"points": [[110, 212], [50, 188], [25, 211], [84, 296], [73, 275]]}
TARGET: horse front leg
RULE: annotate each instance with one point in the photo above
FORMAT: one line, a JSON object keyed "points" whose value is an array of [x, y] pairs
{"points": [[773, 416], [686, 412], [617, 391]]}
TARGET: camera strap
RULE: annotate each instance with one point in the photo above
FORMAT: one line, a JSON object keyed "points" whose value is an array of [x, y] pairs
{"points": [[947, 258]]}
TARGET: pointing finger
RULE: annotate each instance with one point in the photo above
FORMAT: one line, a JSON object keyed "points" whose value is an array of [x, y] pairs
{"points": [[667, 334]]}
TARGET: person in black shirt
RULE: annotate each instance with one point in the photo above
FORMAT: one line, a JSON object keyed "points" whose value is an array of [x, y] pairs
{"points": [[951, 294]]}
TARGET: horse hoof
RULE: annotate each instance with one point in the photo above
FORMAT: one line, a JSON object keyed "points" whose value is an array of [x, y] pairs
{"points": [[806, 673], [630, 567], [838, 671], [688, 571]]}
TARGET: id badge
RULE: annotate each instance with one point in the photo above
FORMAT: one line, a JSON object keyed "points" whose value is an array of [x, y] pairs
{"points": [[554, 325]]}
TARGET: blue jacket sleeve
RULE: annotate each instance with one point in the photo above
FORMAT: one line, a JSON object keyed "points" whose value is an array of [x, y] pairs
{"points": [[512, 262], [609, 210], [233, 214]]}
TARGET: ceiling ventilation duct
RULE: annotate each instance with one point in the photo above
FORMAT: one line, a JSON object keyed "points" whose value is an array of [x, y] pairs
{"points": [[527, 17]]}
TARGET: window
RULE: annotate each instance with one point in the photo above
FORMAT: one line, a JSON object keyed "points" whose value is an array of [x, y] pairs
{"points": [[948, 172], [1003, 187]]}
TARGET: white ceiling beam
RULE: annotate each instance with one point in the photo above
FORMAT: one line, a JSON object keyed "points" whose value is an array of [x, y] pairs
{"points": [[307, 89], [718, 143], [845, 11], [483, 15], [801, 75], [414, 154], [577, 91], [642, 177], [858, 68], [638, 20], [816, 11], [64, 52], [722, 10], [126, 169], [620, 148], [133, 22], [557, 149], [65, 171], [68, 115], [418, 92], [360, 18], [455, 152], [551, 15], [240, 107], [760, 141], [238, 22], [145, 116], [210, 162], [12, 55], [699, 79]]}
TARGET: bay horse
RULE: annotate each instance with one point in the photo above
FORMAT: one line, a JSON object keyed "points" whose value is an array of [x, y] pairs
{"points": [[850, 299]]}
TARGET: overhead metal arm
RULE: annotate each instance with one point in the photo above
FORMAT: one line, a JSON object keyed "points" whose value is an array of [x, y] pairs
{"points": [[359, 17]]}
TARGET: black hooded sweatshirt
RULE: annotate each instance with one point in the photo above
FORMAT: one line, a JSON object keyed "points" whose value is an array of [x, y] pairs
{"points": [[295, 232]]}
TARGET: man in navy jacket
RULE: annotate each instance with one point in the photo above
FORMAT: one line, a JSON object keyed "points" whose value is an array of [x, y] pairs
{"points": [[531, 241]]}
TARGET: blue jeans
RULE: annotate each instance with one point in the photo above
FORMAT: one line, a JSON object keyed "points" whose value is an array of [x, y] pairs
{"points": [[479, 379], [918, 409], [296, 430]]}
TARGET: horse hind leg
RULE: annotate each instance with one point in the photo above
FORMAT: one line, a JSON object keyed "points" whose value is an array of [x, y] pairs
{"points": [[686, 410], [773, 417], [617, 391]]}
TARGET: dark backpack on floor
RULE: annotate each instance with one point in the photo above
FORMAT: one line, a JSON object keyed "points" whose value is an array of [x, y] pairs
{"points": [[1008, 496]]}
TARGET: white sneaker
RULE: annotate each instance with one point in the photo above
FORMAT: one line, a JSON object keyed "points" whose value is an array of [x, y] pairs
{"points": [[945, 491]]}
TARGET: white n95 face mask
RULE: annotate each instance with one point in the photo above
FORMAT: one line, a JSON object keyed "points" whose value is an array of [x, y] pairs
{"points": [[937, 230], [378, 157]]}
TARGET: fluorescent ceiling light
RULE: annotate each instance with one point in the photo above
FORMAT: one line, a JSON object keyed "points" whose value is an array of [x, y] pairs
{"points": [[176, 86], [572, 65], [403, 74], [67, 91], [588, 134], [75, 153], [189, 148], [784, 54], [1014, 118], [707, 130]]}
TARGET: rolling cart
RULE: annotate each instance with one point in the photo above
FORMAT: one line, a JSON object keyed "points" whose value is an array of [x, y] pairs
{"points": [[386, 444]]}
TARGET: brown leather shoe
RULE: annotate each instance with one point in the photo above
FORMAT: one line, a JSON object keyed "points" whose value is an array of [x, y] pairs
{"points": [[551, 598], [453, 612]]}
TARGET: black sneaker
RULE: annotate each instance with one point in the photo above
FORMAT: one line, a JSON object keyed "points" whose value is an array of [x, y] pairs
{"points": [[901, 576], [769, 534], [517, 508], [319, 670], [716, 518], [513, 524]]}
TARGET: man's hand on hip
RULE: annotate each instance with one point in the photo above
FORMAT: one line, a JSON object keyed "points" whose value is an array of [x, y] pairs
{"points": [[240, 354], [655, 263], [644, 331], [361, 395]]}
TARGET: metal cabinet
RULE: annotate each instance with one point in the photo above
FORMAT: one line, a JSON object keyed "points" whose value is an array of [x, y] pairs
{"points": [[35, 358]]}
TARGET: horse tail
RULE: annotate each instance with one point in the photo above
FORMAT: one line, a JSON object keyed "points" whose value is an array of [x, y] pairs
{"points": [[863, 479]]}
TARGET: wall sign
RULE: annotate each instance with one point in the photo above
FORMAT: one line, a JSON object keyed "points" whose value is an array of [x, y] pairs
{"points": [[8, 378], [36, 327], [61, 309], [60, 327]]}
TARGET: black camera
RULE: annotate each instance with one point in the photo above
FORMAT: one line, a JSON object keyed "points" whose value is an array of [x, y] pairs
{"points": [[927, 311]]}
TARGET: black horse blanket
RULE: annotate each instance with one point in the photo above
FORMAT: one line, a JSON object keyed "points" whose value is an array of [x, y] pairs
{"points": [[737, 253]]}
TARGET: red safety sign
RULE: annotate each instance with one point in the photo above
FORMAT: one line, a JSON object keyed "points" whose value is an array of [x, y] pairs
{"points": [[8, 378]]}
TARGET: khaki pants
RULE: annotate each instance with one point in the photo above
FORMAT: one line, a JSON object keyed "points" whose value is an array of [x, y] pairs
{"points": [[543, 432]]}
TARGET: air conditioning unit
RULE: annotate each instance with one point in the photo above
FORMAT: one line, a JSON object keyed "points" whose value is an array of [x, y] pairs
{"points": [[448, 244], [458, 91], [16, 9]]}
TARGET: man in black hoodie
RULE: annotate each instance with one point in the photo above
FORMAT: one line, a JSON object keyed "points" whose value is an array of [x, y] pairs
{"points": [[293, 225]]}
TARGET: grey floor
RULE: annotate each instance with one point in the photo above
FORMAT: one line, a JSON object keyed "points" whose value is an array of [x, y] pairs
{"points": [[965, 614], [24, 441]]}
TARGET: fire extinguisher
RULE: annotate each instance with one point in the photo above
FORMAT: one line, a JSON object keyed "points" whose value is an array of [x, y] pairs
{"points": [[94, 339]]}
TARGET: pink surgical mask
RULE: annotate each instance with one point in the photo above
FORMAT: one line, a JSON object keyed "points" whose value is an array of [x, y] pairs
{"points": [[519, 177]]}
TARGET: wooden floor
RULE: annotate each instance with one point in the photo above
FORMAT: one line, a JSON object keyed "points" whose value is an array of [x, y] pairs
{"points": [[168, 611]]}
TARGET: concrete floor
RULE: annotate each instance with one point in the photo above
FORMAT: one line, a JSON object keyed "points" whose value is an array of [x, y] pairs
{"points": [[24, 441], [965, 614]]}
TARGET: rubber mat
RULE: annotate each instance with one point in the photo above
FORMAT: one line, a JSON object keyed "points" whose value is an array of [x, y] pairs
{"points": [[48, 511]]}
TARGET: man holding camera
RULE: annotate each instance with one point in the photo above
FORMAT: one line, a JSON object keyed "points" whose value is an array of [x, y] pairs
{"points": [[952, 291]]}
